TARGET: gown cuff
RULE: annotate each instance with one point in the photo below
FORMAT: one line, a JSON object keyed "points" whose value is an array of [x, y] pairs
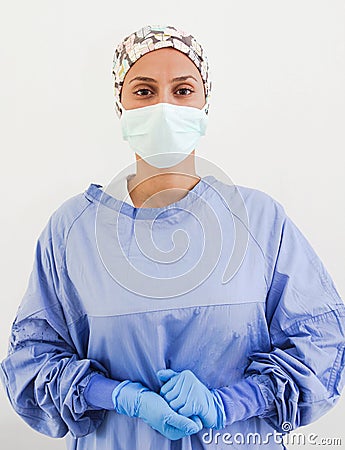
{"points": [[98, 392], [247, 398]]}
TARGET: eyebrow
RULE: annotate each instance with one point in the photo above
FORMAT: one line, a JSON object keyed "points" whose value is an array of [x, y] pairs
{"points": [[152, 80]]}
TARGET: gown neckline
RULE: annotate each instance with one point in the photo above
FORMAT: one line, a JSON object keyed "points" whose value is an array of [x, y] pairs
{"points": [[95, 194]]}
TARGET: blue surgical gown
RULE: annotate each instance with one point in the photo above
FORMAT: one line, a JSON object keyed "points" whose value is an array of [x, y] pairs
{"points": [[221, 282]]}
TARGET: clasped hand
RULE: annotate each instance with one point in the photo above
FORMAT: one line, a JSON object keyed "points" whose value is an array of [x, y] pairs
{"points": [[186, 395], [135, 400], [182, 408]]}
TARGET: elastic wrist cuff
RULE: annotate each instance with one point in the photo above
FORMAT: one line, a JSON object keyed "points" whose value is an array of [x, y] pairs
{"points": [[98, 392], [242, 400], [221, 416]]}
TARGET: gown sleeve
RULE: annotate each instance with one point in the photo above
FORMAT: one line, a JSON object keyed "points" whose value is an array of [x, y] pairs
{"points": [[43, 373], [302, 375]]}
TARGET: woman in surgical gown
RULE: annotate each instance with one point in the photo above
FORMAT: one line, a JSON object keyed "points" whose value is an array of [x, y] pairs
{"points": [[191, 314]]}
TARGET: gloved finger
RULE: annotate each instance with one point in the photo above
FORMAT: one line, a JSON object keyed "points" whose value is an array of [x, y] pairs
{"points": [[186, 410], [176, 403], [168, 431], [169, 385], [172, 433], [179, 403], [197, 420], [174, 387], [171, 395], [185, 424], [165, 374], [179, 395]]}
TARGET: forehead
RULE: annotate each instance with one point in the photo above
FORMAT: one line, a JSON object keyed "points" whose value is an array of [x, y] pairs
{"points": [[162, 62]]}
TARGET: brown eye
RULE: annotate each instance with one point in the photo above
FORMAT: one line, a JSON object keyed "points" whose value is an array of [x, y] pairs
{"points": [[143, 92], [184, 91]]}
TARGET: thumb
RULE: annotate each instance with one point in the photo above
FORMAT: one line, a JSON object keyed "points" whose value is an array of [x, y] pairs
{"points": [[166, 374], [183, 423]]}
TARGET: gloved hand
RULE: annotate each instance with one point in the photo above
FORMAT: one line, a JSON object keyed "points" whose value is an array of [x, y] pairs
{"points": [[136, 400], [188, 396]]}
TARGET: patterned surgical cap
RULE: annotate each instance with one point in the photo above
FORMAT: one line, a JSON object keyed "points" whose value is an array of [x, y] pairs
{"points": [[151, 38]]}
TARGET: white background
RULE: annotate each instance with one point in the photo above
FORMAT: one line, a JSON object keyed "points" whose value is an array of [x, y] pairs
{"points": [[276, 124]]}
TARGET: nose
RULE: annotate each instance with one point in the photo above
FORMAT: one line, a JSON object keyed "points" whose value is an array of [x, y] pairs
{"points": [[165, 95]]}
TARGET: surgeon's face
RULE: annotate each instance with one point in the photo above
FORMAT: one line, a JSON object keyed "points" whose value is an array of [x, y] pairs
{"points": [[163, 76]]}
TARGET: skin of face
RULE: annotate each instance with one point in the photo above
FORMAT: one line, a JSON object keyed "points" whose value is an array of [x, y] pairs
{"points": [[164, 67], [162, 76]]}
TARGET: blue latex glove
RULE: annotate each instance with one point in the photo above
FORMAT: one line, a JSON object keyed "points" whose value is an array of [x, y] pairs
{"points": [[136, 400], [188, 396]]}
